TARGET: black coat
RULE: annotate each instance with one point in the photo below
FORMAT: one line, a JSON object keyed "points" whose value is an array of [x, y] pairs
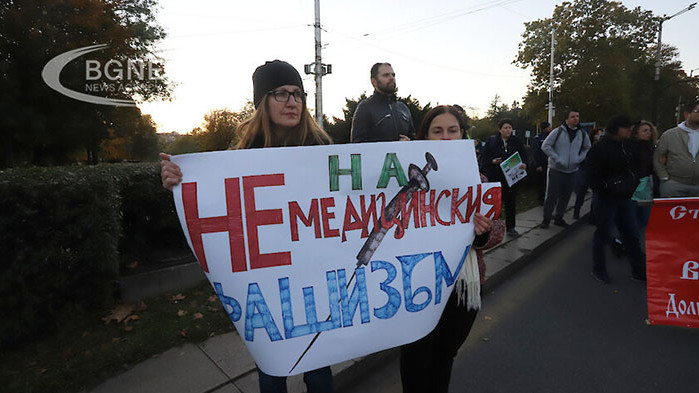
{"points": [[381, 118], [540, 158], [609, 169], [642, 157], [495, 148]]}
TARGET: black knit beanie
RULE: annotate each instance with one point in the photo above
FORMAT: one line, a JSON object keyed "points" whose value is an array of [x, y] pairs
{"points": [[271, 75], [616, 122]]}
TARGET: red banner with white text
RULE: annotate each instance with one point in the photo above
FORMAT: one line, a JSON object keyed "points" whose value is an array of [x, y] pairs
{"points": [[672, 249]]}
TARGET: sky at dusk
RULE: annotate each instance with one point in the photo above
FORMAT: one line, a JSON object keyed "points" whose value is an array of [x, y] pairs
{"points": [[443, 52]]}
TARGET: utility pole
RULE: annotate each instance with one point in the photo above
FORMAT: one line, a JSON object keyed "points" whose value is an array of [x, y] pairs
{"points": [[317, 68], [656, 79], [551, 109]]}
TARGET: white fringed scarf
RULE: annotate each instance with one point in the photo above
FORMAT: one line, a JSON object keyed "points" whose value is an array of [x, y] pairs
{"points": [[468, 283]]}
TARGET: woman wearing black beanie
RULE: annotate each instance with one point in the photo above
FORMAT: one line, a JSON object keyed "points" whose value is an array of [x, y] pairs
{"points": [[281, 118]]}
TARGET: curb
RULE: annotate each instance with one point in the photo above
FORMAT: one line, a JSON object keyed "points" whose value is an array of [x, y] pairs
{"points": [[156, 282], [508, 271]]}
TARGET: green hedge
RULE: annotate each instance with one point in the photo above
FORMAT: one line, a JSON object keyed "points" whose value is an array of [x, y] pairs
{"points": [[63, 233], [149, 222]]}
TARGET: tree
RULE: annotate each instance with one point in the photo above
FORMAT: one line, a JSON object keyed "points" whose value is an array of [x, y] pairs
{"points": [[188, 143], [498, 111], [132, 137], [220, 125], [43, 126], [417, 111], [603, 62], [482, 128], [144, 143], [217, 132], [339, 129]]}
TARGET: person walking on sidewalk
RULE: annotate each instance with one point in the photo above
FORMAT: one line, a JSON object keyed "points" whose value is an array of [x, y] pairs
{"points": [[425, 365], [281, 118], [676, 159], [566, 147], [611, 176], [498, 149], [381, 118]]}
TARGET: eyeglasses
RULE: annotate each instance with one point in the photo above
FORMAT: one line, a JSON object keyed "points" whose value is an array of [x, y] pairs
{"points": [[283, 95]]}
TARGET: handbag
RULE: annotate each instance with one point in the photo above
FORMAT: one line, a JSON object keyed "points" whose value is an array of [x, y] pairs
{"points": [[622, 185]]}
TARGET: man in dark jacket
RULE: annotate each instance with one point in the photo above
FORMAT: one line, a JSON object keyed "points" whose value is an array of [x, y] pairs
{"points": [[541, 161], [380, 117], [610, 175]]}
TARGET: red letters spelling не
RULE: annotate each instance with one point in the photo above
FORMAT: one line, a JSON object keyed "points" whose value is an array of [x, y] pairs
{"points": [[232, 222]]}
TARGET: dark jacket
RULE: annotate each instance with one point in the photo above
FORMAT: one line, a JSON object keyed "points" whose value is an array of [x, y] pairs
{"points": [[495, 148], [609, 169], [540, 158], [642, 153], [381, 118]]}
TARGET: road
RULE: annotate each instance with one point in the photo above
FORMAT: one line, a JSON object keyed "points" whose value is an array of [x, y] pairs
{"points": [[553, 328]]}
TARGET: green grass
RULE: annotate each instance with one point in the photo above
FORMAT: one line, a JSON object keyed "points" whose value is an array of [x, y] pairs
{"points": [[85, 351], [526, 198]]}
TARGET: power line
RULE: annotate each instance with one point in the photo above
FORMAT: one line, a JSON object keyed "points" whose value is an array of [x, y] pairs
{"points": [[438, 19], [421, 60], [235, 32]]}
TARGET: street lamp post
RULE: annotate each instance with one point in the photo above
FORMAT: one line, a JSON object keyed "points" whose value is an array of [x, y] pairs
{"points": [[317, 68], [550, 107], [656, 113]]}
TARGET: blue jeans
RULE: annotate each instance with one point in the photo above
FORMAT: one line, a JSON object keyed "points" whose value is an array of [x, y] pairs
{"points": [[317, 381], [580, 189], [608, 212], [642, 214]]}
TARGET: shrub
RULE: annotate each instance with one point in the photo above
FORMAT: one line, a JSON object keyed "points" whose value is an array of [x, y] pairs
{"points": [[64, 232], [59, 232], [149, 220]]}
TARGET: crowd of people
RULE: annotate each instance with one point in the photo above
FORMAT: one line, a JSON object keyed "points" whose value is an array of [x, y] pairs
{"points": [[626, 165], [622, 164]]}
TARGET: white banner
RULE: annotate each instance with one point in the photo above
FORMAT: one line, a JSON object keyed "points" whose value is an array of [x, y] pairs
{"points": [[292, 240]]}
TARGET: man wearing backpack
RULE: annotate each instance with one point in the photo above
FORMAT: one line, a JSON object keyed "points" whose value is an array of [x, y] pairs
{"points": [[566, 148]]}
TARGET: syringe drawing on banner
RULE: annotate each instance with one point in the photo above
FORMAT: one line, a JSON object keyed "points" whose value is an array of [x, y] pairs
{"points": [[417, 182]]}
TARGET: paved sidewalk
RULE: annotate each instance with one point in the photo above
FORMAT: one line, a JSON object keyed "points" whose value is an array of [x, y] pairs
{"points": [[223, 365]]}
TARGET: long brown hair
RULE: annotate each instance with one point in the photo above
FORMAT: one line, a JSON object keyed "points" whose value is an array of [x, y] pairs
{"points": [[653, 130], [256, 131]]}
